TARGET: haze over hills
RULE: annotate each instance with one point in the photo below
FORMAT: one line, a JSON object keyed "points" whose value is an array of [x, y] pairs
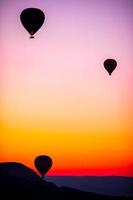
{"points": [[107, 185], [18, 181]]}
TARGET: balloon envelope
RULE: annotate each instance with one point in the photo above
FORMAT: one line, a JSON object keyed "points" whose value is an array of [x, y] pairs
{"points": [[43, 163], [110, 65], [32, 19]]}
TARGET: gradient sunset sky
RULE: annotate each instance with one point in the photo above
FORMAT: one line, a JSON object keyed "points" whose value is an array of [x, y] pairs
{"points": [[56, 97]]}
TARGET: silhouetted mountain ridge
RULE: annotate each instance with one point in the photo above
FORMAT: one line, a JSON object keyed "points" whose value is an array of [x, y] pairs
{"points": [[18, 181], [107, 185]]}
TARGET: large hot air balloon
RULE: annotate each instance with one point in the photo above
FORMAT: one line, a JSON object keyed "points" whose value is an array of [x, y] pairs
{"points": [[32, 19], [110, 65], [43, 163]]}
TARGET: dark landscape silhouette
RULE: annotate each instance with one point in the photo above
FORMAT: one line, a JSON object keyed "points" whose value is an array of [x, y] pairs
{"points": [[107, 185], [18, 181]]}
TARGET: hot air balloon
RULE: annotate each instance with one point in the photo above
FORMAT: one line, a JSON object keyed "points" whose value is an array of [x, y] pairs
{"points": [[110, 65], [43, 163], [32, 20]]}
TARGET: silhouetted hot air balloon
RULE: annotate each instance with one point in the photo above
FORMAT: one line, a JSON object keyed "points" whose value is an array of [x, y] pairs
{"points": [[43, 163], [32, 19], [110, 65]]}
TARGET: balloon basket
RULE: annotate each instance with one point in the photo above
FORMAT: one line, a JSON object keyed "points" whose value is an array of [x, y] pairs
{"points": [[31, 36]]}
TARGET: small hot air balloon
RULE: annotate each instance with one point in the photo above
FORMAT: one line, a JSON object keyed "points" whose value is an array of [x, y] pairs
{"points": [[110, 65], [32, 20], [43, 163]]}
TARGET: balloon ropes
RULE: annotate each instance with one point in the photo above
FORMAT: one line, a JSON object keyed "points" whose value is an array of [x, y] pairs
{"points": [[32, 19]]}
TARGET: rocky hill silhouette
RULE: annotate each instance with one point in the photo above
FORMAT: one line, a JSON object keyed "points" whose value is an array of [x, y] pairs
{"points": [[20, 182]]}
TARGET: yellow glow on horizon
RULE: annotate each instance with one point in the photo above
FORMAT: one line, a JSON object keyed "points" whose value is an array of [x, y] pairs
{"points": [[68, 150]]}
